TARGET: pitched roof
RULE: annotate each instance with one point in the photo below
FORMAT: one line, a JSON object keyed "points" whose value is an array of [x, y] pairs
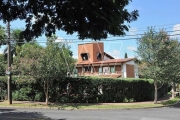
{"points": [[106, 61], [109, 56]]}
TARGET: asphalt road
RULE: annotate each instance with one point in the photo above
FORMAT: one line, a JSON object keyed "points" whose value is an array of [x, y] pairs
{"points": [[166, 113]]}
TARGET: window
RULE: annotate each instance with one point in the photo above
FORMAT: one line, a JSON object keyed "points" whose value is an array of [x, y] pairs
{"points": [[84, 56], [100, 70], [99, 56], [112, 69], [86, 69]]}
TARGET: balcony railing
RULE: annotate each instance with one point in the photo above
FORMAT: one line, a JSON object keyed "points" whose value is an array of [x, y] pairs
{"points": [[99, 73]]}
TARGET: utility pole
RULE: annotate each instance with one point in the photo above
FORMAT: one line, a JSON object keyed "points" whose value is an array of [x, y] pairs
{"points": [[9, 66]]}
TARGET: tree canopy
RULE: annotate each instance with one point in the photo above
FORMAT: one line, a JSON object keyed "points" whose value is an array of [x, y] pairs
{"points": [[150, 46], [88, 18]]}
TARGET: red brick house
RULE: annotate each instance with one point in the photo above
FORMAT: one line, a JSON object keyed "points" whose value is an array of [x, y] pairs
{"points": [[93, 61]]}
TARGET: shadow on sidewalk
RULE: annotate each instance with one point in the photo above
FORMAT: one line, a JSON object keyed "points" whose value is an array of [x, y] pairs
{"points": [[12, 114], [165, 97], [176, 105]]}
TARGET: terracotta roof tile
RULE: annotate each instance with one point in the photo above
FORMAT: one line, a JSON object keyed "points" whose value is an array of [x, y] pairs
{"points": [[106, 61]]}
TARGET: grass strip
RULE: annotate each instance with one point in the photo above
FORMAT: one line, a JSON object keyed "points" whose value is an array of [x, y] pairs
{"points": [[93, 106], [171, 101]]}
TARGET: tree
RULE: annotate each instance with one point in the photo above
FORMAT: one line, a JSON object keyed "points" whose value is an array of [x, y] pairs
{"points": [[149, 47], [88, 18], [170, 63], [45, 64], [125, 55], [2, 36]]}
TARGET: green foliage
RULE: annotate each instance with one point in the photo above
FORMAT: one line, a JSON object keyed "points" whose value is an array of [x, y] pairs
{"points": [[125, 55], [89, 19], [160, 57], [39, 96], [22, 94], [83, 90], [149, 48], [113, 90], [44, 64], [2, 35], [170, 61], [2, 65]]}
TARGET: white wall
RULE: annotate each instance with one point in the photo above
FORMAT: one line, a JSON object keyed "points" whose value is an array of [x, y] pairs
{"points": [[124, 74], [106, 58], [135, 69], [130, 62]]}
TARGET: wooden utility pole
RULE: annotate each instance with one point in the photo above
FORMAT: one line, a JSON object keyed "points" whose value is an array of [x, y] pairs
{"points": [[9, 65]]}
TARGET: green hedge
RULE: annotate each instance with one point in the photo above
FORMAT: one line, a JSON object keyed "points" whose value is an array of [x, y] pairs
{"points": [[86, 89], [113, 90], [23, 88]]}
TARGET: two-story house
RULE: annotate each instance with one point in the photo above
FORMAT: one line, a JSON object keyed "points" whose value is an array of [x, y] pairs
{"points": [[93, 61]]}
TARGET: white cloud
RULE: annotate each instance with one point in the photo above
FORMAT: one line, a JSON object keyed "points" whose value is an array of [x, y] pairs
{"points": [[115, 53], [176, 29], [131, 48], [75, 56]]}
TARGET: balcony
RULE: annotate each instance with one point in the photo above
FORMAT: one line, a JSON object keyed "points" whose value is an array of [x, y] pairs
{"points": [[115, 74]]}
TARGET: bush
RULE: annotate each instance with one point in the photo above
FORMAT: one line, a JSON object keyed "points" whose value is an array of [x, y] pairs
{"points": [[22, 94], [39, 96]]}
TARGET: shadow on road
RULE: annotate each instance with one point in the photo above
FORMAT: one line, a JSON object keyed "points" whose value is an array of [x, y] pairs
{"points": [[12, 114]]}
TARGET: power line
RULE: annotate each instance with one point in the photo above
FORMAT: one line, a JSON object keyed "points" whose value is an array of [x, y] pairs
{"points": [[79, 41], [44, 40], [161, 26], [110, 36]]}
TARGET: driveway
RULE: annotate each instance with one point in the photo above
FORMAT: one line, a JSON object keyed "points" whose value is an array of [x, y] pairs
{"points": [[166, 113]]}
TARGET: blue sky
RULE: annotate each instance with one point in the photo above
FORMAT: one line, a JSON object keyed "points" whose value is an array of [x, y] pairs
{"points": [[158, 14]]}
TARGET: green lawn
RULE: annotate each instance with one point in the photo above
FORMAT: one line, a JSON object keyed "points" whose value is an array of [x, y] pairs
{"points": [[171, 101], [92, 106]]}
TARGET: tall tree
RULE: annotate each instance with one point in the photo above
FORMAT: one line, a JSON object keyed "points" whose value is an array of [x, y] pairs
{"points": [[148, 50], [45, 64], [88, 18]]}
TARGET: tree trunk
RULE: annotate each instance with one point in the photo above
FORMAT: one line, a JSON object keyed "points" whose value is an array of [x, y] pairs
{"points": [[155, 92], [173, 90], [46, 98], [47, 95]]}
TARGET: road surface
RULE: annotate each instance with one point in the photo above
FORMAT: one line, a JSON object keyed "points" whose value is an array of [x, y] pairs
{"points": [[166, 113]]}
